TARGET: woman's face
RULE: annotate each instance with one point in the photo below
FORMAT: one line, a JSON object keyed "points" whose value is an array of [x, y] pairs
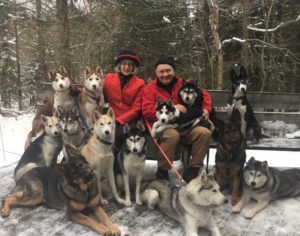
{"points": [[126, 66], [165, 73]]}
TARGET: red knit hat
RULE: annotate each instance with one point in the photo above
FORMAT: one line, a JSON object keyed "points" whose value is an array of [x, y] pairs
{"points": [[127, 54]]}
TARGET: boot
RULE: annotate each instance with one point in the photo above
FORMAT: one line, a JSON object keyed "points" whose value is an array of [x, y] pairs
{"points": [[191, 173], [162, 174]]}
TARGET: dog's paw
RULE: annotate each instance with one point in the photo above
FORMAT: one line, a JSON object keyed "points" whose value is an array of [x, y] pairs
{"points": [[127, 203], [138, 202], [248, 214], [236, 209], [4, 213], [122, 201], [114, 230], [104, 201]]}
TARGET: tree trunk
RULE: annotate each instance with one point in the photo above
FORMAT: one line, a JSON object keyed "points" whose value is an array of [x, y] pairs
{"points": [[217, 54], [63, 34], [19, 85], [245, 46], [41, 74]]}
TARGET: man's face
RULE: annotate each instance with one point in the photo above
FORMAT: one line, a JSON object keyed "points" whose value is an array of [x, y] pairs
{"points": [[164, 73]]}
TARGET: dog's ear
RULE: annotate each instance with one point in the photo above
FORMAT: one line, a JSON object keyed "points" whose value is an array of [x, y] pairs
{"points": [[87, 71], [140, 126], [111, 113], [183, 82], [59, 111], [159, 102], [96, 115], [202, 176], [126, 128], [62, 70], [251, 161], [170, 102], [243, 73], [75, 111], [44, 119], [264, 165], [99, 71], [51, 75], [233, 76]]}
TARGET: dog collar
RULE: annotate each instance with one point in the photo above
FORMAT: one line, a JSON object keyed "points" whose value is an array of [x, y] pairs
{"points": [[104, 141]]}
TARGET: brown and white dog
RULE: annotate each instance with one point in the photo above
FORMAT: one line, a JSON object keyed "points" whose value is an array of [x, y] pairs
{"points": [[61, 84], [98, 152], [91, 95]]}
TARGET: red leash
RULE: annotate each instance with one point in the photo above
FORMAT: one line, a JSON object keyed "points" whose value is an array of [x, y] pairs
{"points": [[163, 153]]}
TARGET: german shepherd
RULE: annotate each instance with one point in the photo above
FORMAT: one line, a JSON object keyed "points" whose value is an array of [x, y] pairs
{"points": [[70, 187], [231, 156]]}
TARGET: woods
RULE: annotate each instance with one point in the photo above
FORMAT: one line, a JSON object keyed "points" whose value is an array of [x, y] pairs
{"points": [[207, 38]]}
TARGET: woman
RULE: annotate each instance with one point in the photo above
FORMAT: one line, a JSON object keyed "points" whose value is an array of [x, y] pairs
{"points": [[123, 92]]}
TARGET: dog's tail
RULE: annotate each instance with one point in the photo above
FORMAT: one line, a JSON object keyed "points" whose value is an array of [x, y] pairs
{"points": [[23, 170]]}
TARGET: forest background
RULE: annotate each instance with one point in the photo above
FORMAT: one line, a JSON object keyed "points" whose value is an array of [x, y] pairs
{"points": [[206, 37]]}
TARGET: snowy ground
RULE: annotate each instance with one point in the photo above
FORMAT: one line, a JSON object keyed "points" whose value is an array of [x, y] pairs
{"points": [[280, 218]]}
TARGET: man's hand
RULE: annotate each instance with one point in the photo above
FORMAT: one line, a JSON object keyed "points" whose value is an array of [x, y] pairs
{"points": [[181, 108], [205, 114]]}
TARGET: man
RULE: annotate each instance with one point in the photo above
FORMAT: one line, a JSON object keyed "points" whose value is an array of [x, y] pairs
{"points": [[165, 86]]}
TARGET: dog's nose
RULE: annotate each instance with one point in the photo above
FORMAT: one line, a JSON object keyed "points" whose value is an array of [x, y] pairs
{"points": [[55, 133], [65, 130], [61, 86], [163, 120], [253, 183], [106, 132], [243, 89], [94, 86], [187, 99], [134, 150]]}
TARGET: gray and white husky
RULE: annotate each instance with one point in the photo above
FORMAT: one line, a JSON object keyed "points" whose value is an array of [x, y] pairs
{"points": [[131, 159], [43, 150], [264, 184], [191, 204]]}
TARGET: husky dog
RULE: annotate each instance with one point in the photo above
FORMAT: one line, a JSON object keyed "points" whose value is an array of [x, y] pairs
{"points": [[131, 159], [73, 134], [61, 84], [191, 97], [231, 156], [98, 151], [70, 187], [264, 184], [191, 204], [43, 150], [91, 95], [250, 127], [166, 114]]}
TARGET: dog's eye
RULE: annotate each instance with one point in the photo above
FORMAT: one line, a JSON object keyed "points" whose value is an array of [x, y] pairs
{"points": [[62, 78], [101, 124], [97, 78], [109, 123], [137, 139], [56, 80], [90, 79], [50, 126], [167, 112], [214, 190], [251, 173], [258, 175], [57, 124]]}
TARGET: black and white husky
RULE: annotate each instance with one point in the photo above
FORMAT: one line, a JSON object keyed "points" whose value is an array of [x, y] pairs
{"points": [[131, 159], [43, 151], [265, 184], [167, 114], [250, 127]]}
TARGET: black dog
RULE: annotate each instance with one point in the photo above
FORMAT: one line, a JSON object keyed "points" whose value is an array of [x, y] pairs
{"points": [[70, 187], [250, 127], [231, 155]]}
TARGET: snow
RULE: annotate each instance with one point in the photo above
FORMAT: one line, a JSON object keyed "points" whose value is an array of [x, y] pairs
{"points": [[13, 132], [277, 219]]}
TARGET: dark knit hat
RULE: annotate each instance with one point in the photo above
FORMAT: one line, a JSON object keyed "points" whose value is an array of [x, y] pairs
{"points": [[127, 54], [164, 59]]}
